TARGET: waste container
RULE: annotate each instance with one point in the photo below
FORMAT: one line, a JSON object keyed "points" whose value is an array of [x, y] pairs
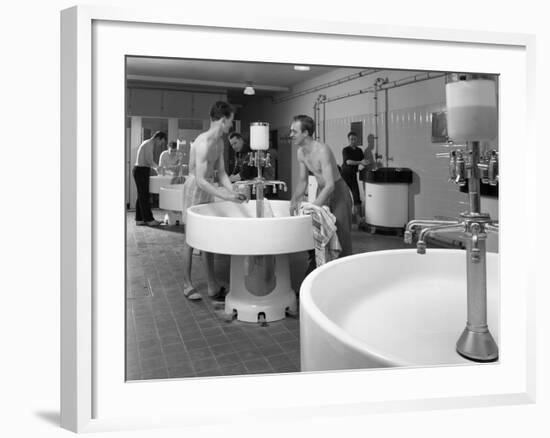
{"points": [[387, 196]]}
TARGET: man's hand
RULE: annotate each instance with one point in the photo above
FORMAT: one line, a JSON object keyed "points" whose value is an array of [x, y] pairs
{"points": [[237, 197], [294, 206]]}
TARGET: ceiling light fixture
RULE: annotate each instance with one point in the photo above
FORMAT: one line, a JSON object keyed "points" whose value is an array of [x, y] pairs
{"points": [[249, 89], [301, 67]]}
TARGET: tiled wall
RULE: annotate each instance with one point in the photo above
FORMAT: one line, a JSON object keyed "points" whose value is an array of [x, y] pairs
{"points": [[409, 131], [409, 146]]}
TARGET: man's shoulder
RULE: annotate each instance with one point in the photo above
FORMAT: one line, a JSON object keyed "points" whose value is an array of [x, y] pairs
{"points": [[322, 147], [200, 141]]}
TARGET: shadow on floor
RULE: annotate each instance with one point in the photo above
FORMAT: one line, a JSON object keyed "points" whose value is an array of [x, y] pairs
{"points": [[51, 417]]}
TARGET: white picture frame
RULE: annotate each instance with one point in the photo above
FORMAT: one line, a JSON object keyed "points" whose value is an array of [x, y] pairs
{"points": [[93, 396]]}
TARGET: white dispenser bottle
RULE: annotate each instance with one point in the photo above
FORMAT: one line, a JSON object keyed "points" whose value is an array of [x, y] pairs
{"points": [[259, 136], [471, 107]]}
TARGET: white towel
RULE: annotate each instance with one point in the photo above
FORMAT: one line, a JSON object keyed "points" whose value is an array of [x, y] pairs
{"points": [[327, 245]]}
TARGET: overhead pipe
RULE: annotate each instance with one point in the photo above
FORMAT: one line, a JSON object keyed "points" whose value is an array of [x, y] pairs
{"points": [[385, 85], [326, 85], [389, 85]]}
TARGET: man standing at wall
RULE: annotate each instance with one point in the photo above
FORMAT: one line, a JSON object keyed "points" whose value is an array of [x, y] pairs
{"points": [[141, 172], [352, 157]]}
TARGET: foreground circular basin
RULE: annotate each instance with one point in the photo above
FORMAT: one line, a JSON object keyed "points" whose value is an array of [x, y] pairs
{"points": [[231, 228], [395, 308]]}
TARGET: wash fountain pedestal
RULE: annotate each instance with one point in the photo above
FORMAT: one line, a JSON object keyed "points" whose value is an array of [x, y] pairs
{"points": [[260, 286]]}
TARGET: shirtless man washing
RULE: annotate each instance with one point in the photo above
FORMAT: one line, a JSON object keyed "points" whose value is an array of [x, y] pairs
{"points": [[206, 157], [332, 190]]}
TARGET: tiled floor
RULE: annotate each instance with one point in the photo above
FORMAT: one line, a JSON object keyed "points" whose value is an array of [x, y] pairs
{"points": [[169, 336]]}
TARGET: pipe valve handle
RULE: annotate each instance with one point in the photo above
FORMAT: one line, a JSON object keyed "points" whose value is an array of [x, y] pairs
{"points": [[421, 247]]}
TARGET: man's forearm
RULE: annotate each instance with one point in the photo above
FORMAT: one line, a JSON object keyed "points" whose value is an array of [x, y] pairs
{"points": [[209, 188], [299, 192], [225, 181], [324, 195]]}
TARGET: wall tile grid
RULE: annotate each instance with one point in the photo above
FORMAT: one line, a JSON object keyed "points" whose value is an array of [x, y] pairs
{"points": [[410, 146]]}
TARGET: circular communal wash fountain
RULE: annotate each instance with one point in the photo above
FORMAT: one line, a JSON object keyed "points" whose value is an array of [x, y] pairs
{"points": [[401, 309], [259, 288]]}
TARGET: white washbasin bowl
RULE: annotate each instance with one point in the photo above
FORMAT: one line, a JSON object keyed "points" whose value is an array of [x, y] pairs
{"points": [[231, 228], [171, 197], [158, 181], [394, 308]]}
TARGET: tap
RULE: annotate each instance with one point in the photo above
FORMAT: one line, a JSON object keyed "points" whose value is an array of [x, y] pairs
{"points": [[492, 172], [460, 169], [492, 227], [276, 184], [414, 224], [441, 229], [260, 160], [475, 229]]}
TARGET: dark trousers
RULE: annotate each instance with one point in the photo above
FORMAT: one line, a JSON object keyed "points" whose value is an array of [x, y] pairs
{"points": [[351, 180], [143, 207]]}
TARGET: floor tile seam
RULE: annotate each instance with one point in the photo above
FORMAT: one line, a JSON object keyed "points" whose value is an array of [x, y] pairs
{"points": [[261, 372], [286, 352], [161, 347], [182, 340]]}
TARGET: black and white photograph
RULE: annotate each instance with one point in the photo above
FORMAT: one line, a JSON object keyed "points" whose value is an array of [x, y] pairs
{"points": [[247, 219], [288, 218]]}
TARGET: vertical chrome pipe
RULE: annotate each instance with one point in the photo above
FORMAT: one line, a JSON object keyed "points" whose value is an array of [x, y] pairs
{"points": [[259, 185], [324, 121], [316, 118], [375, 121], [476, 342], [386, 127], [473, 179]]}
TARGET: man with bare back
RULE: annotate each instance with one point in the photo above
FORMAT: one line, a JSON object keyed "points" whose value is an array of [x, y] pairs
{"points": [[206, 158], [332, 190]]}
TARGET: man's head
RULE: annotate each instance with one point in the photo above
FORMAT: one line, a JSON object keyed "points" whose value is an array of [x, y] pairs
{"points": [[237, 141], [159, 138], [302, 127], [173, 146], [352, 138], [223, 113]]}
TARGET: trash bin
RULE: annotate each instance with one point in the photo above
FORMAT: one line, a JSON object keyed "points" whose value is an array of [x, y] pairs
{"points": [[387, 196]]}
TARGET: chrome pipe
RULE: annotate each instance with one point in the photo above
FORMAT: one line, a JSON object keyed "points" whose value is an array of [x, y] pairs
{"points": [[375, 120], [428, 223], [473, 181], [426, 232], [476, 342], [386, 127]]}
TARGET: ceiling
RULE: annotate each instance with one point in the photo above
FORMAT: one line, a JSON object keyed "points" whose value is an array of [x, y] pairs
{"points": [[227, 76]]}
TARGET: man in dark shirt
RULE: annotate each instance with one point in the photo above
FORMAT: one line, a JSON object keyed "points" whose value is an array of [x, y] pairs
{"points": [[352, 157], [239, 170]]}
